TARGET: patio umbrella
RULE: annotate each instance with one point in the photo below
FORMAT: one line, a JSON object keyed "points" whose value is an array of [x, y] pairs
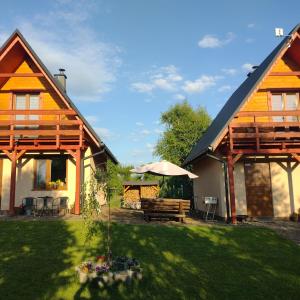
{"points": [[164, 168]]}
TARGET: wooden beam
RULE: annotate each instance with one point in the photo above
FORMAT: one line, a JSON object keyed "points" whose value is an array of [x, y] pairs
{"points": [[296, 156], [6, 75], [72, 153], [265, 151], [231, 187], [8, 154], [78, 182], [13, 175], [262, 124], [272, 135], [290, 73], [20, 154], [37, 132], [40, 122], [38, 112], [268, 113], [236, 158]]}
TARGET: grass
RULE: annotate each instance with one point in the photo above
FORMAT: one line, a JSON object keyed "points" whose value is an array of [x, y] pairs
{"points": [[37, 260]]}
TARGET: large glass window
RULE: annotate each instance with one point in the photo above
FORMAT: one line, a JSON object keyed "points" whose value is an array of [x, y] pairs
{"points": [[51, 173]]}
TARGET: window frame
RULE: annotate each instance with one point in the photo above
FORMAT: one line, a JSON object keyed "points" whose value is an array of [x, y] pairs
{"points": [[283, 94], [48, 175]]}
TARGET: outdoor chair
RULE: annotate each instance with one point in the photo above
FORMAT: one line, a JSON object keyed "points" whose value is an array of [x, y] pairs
{"points": [[28, 205], [60, 204], [44, 205], [39, 206]]}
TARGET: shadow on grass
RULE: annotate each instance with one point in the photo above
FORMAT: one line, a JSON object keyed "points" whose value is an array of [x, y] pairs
{"points": [[33, 258], [203, 263], [37, 260]]}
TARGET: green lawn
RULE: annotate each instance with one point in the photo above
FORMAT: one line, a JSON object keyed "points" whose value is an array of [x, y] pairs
{"points": [[37, 260]]}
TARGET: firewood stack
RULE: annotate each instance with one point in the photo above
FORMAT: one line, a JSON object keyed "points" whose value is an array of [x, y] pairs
{"points": [[135, 191]]}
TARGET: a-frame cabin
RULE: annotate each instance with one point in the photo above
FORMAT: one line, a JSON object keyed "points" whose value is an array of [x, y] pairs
{"points": [[249, 157], [46, 146]]}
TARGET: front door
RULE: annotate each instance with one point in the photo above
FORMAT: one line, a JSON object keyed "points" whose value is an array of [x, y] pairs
{"points": [[258, 189]]}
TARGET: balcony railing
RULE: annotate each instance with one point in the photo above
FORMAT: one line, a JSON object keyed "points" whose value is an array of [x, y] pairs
{"points": [[265, 131], [48, 129]]}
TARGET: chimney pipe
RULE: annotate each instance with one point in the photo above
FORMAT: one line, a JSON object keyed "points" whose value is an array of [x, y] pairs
{"points": [[61, 78]]}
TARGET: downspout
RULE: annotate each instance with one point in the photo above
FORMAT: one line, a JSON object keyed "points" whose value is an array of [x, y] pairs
{"points": [[224, 163]]}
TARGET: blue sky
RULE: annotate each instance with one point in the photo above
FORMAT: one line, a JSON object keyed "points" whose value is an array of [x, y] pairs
{"points": [[128, 61]]}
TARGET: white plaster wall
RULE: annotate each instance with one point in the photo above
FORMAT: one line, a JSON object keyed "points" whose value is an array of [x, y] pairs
{"points": [[209, 183], [280, 191], [89, 169], [240, 189], [296, 187], [5, 184]]}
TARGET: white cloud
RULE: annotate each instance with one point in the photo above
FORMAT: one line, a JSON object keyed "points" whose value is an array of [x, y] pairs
{"points": [[62, 38], [229, 71], [200, 84], [179, 97], [92, 119], [105, 133], [139, 124], [142, 87], [251, 25], [247, 67], [145, 132], [225, 88], [213, 41], [163, 78]]}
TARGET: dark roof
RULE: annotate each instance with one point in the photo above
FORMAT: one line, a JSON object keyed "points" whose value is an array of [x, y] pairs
{"points": [[234, 103], [59, 87], [140, 183]]}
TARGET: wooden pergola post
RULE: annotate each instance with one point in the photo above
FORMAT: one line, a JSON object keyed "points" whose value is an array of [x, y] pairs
{"points": [[231, 187], [78, 156], [13, 156], [13, 175]]}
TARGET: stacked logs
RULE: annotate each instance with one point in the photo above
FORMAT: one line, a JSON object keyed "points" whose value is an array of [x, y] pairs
{"points": [[149, 192], [135, 191]]}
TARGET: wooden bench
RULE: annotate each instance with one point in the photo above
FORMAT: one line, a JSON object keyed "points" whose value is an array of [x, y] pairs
{"points": [[165, 208]]}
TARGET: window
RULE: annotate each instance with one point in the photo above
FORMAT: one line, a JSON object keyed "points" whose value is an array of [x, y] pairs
{"points": [[284, 102], [51, 174], [27, 101]]}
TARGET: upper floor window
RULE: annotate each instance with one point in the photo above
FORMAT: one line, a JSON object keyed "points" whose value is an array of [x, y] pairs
{"points": [[28, 102], [283, 102]]}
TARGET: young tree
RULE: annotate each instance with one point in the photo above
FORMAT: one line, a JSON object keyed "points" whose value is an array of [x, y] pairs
{"points": [[184, 126]]}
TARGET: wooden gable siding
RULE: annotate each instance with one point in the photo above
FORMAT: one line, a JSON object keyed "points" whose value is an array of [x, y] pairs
{"points": [[259, 100], [48, 97]]}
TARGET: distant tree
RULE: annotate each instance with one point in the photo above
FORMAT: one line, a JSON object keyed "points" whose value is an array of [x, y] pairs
{"points": [[184, 126]]}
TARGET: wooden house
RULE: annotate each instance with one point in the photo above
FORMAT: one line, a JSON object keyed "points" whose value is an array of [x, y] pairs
{"points": [[249, 156], [46, 146]]}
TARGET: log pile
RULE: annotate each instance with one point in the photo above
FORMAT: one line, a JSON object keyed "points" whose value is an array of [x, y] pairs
{"points": [[149, 192], [132, 195], [134, 191]]}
